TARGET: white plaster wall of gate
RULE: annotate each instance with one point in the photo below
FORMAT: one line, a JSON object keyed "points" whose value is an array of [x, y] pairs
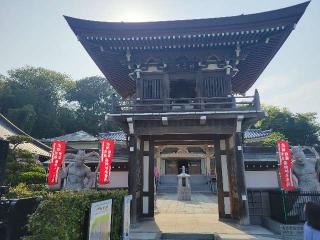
{"points": [[225, 176], [146, 173], [261, 179]]}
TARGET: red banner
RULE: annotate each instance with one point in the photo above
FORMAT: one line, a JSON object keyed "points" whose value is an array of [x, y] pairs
{"points": [[106, 155], [285, 165], [57, 155]]}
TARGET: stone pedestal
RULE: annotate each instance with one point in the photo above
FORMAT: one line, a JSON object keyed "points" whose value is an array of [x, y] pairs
{"points": [[184, 188]]}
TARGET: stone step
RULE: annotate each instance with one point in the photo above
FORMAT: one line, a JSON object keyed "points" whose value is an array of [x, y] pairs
{"points": [[145, 236], [171, 188], [194, 179], [185, 236]]}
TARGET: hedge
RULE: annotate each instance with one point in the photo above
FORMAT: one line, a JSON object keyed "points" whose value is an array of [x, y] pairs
{"points": [[64, 215], [23, 190]]}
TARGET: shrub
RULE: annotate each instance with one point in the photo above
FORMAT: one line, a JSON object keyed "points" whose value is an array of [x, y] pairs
{"points": [[32, 178], [272, 139], [27, 171], [23, 190], [63, 215]]}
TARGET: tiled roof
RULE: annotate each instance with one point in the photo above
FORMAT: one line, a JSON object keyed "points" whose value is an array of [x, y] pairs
{"points": [[7, 129], [262, 34], [117, 136], [251, 135], [80, 136]]}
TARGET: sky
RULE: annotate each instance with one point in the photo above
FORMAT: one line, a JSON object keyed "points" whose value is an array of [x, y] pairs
{"points": [[35, 33]]}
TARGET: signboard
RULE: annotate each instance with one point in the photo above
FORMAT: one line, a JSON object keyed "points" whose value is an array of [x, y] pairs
{"points": [[285, 166], [100, 220], [126, 217], [106, 155], [57, 155]]}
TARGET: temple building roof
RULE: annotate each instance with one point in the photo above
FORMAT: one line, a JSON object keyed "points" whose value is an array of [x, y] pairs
{"points": [[8, 129], [256, 135], [253, 135], [116, 136], [80, 136], [259, 36]]}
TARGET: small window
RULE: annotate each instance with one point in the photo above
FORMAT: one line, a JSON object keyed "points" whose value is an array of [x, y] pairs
{"points": [[215, 86], [151, 88]]}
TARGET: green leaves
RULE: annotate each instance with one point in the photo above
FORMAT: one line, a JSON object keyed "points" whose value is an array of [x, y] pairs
{"points": [[27, 170], [298, 128], [93, 96], [46, 103], [272, 139], [62, 215]]}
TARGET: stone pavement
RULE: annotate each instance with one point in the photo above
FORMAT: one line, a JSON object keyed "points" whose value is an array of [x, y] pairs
{"points": [[199, 216], [199, 204]]}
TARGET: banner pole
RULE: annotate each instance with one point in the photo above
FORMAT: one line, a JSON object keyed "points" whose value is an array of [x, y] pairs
{"points": [[284, 206]]}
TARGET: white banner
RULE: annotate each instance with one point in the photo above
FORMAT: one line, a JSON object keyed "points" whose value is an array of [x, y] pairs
{"points": [[100, 220]]}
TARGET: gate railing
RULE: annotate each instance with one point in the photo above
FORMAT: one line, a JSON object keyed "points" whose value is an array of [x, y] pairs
{"points": [[282, 206], [288, 207], [232, 103]]}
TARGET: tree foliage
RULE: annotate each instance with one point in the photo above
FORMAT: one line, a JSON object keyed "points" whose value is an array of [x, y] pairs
{"points": [[31, 98], [298, 128], [27, 170], [46, 103], [92, 96], [16, 140], [271, 140]]}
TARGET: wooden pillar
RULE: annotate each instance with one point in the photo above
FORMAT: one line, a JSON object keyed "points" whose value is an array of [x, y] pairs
{"points": [[147, 209], [166, 86], [133, 181], [166, 91], [240, 178], [232, 173], [228, 85], [219, 172], [157, 156], [199, 81]]}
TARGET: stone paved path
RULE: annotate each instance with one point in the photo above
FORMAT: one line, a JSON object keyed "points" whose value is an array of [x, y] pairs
{"points": [[199, 204], [197, 216]]}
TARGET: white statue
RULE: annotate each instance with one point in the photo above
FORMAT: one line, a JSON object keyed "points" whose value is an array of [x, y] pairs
{"points": [[306, 170], [77, 175]]}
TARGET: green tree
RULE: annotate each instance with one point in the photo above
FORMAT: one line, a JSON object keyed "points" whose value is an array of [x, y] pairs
{"points": [[46, 103], [92, 96], [25, 116], [298, 128], [32, 98], [17, 140], [272, 139]]}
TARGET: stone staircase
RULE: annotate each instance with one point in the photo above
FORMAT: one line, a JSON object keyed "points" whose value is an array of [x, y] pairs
{"points": [[169, 183]]}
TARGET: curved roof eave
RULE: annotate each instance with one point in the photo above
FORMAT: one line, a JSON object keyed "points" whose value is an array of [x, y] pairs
{"points": [[118, 77], [292, 11]]}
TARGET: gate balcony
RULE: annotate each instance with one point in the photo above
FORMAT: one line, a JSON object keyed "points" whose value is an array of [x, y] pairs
{"points": [[235, 104]]}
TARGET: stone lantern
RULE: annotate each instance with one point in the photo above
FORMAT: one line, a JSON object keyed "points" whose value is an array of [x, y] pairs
{"points": [[184, 188]]}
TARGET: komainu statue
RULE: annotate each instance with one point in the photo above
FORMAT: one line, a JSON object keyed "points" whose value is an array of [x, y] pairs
{"points": [[306, 170], [77, 176]]}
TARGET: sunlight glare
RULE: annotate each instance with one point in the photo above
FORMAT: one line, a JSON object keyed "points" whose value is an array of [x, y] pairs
{"points": [[134, 16]]}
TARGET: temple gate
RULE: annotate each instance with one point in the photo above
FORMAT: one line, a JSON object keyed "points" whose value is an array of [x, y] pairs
{"points": [[184, 82]]}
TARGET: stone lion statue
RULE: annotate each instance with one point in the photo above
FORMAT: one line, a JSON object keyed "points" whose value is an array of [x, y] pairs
{"points": [[306, 170]]}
